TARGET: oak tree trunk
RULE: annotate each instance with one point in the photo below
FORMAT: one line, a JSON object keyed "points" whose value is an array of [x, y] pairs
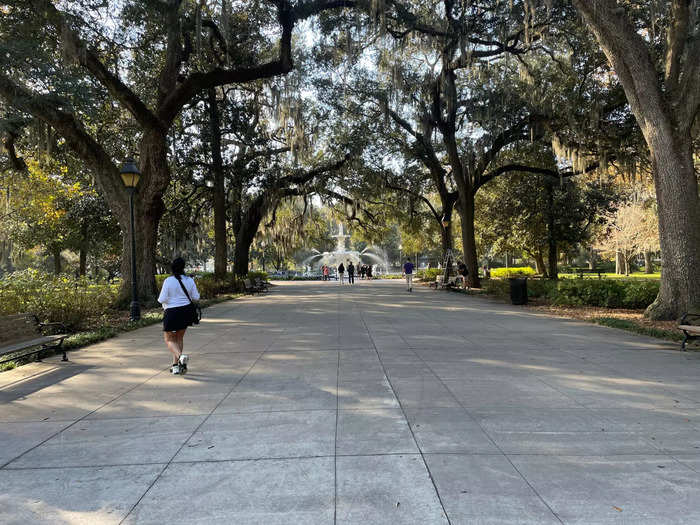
{"points": [[446, 238], [84, 243], [679, 229], [220, 237], [665, 108], [148, 211], [553, 270], [249, 224], [540, 265], [465, 208], [648, 264]]}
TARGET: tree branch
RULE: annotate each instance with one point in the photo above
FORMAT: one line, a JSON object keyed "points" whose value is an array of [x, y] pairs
{"points": [[65, 123], [418, 196], [521, 168], [16, 163], [87, 58], [287, 16]]}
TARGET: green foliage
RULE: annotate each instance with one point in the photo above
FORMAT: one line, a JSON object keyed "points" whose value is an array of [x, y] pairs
{"points": [[209, 286], [62, 299], [541, 288], [258, 275], [429, 274], [519, 271], [8, 366], [607, 293], [497, 287]]}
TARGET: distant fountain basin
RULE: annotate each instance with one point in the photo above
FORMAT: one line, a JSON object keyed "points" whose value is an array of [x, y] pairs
{"points": [[370, 255]]}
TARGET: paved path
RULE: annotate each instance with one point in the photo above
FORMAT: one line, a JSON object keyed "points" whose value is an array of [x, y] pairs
{"points": [[366, 405]]}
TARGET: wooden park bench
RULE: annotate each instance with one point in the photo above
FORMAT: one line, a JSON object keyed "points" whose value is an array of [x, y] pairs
{"points": [[581, 271], [251, 287], [22, 335], [260, 283], [690, 326]]}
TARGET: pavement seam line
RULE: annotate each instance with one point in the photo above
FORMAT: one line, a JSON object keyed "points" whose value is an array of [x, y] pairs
{"points": [[335, 449], [408, 424], [75, 422], [206, 418], [476, 421]]}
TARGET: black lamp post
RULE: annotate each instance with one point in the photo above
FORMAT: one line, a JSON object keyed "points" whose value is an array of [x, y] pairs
{"points": [[130, 175]]}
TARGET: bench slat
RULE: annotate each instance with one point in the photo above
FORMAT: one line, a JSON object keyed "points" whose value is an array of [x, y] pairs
{"points": [[18, 327], [30, 344], [690, 328]]}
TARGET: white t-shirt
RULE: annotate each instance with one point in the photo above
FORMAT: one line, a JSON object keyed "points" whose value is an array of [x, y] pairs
{"points": [[172, 296]]}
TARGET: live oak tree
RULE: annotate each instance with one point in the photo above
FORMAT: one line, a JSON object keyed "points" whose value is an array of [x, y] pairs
{"points": [[158, 57], [541, 215], [656, 56]]}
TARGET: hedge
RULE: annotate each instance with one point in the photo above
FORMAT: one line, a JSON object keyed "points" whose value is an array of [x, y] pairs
{"points": [[609, 293], [72, 301], [64, 299], [498, 273]]}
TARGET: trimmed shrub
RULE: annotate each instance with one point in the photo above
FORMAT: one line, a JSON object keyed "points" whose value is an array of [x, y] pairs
{"points": [[497, 287], [589, 292], [609, 293], [257, 275], [640, 293], [54, 298], [520, 271], [429, 274], [541, 288], [209, 286]]}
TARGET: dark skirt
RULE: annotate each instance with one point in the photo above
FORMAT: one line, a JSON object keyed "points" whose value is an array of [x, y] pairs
{"points": [[177, 318]]}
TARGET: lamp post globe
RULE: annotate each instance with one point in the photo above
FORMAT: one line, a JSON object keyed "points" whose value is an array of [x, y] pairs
{"points": [[130, 175]]}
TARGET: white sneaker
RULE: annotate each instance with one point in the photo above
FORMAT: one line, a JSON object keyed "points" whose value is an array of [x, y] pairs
{"points": [[175, 369], [184, 359]]}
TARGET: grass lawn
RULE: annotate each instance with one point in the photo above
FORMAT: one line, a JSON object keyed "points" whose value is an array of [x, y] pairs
{"points": [[635, 275]]}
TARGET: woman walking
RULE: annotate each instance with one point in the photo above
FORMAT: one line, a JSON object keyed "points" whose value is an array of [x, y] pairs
{"points": [[178, 313]]}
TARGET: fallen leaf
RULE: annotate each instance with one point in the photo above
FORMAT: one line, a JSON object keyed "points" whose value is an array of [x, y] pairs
{"points": [[618, 509]]}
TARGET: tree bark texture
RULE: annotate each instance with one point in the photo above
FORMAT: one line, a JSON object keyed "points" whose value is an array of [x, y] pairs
{"points": [[648, 264], [446, 237], [665, 112], [247, 224], [56, 256], [220, 237], [540, 266], [465, 208]]}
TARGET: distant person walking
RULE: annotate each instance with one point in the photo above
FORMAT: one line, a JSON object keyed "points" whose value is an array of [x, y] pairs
{"points": [[351, 273], [369, 271], [178, 313], [487, 272], [326, 272], [341, 273], [363, 269], [408, 273]]}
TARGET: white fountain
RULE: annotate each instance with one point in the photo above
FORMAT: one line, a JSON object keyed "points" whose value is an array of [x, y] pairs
{"points": [[341, 254]]}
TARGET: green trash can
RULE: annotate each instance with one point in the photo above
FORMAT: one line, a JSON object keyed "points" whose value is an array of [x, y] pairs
{"points": [[518, 290]]}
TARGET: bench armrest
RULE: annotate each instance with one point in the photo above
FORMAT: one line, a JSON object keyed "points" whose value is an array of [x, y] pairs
{"points": [[688, 316], [53, 326]]}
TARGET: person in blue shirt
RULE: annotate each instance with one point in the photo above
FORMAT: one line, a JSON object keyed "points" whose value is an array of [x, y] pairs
{"points": [[408, 273]]}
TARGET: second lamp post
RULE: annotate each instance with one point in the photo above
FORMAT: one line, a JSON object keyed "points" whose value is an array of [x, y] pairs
{"points": [[130, 175]]}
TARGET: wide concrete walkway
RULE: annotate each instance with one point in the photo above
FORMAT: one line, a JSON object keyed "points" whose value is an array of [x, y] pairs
{"points": [[321, 404]]}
